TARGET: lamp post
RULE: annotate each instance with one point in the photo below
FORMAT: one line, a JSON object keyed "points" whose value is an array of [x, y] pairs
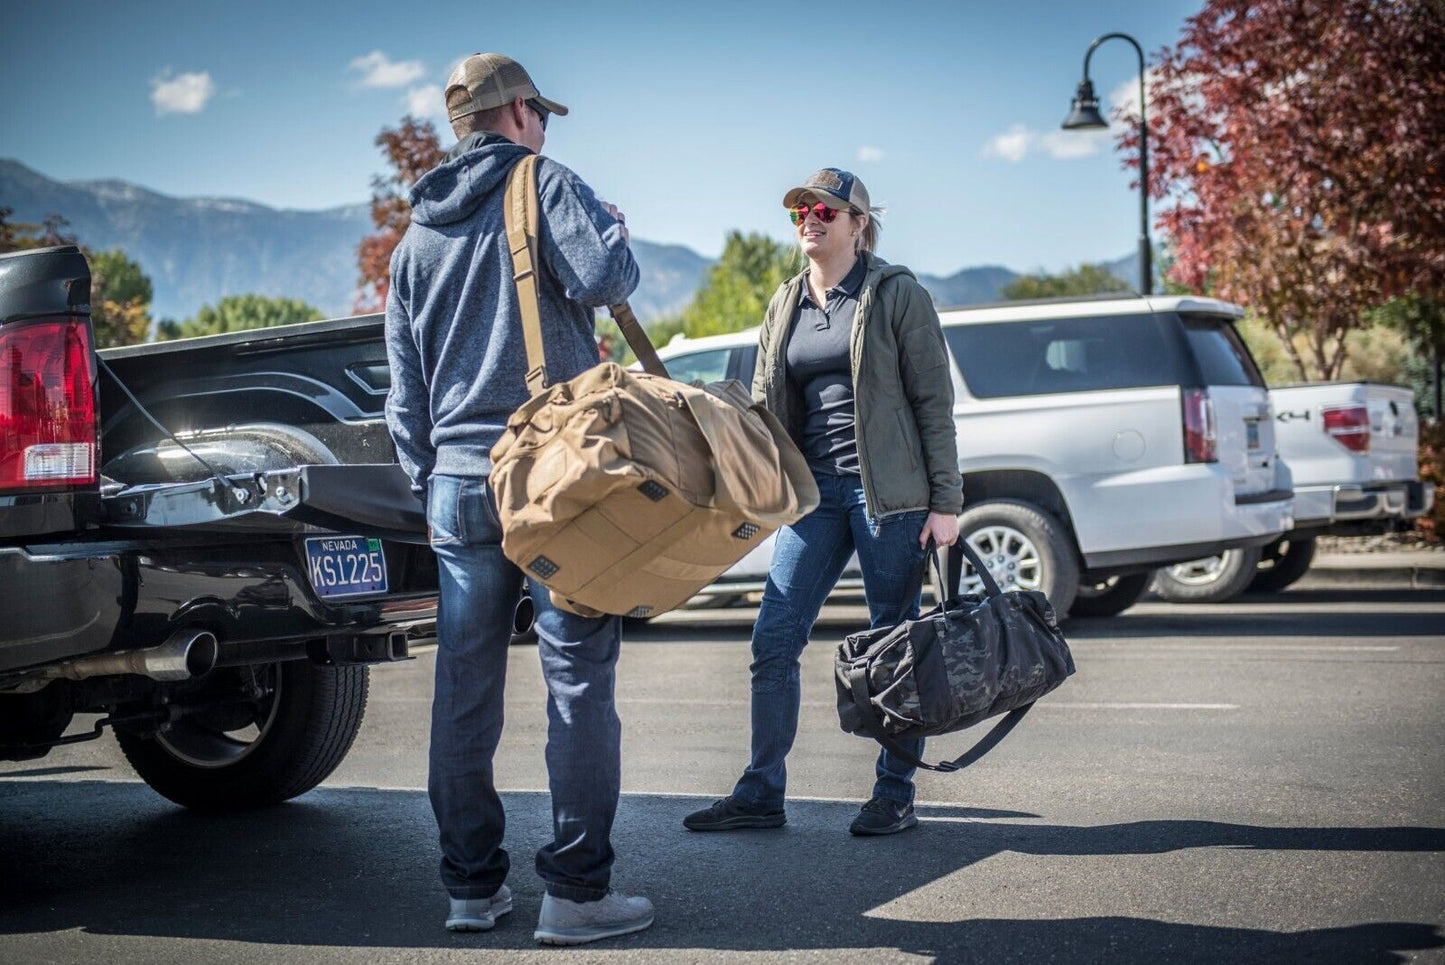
{"points": [[1085, 116]]}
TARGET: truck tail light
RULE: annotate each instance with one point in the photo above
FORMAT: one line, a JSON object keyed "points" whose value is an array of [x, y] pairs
{"points": [[1200, 435], [1349, 425], [47, 405]]}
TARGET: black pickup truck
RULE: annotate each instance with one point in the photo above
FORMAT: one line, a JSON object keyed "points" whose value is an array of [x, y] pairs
{"points": [[206, 542]]}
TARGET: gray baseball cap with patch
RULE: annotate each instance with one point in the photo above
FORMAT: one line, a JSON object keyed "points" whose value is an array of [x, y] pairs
{"points": [[833, 186], [488, 81]]}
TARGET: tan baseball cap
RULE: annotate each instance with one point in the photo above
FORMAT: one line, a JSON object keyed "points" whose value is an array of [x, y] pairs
{"points": [[491, 80], [833, 186]]}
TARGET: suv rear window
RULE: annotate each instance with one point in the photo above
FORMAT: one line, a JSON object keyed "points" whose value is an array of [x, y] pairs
{"points": [[1220, 352], [1069, 355]]}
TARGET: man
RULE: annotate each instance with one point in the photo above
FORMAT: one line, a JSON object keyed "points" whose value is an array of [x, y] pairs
{"points": [[458, 360]]}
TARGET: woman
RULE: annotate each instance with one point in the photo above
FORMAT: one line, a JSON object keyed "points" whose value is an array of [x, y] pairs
{"points": [[851, 358]]}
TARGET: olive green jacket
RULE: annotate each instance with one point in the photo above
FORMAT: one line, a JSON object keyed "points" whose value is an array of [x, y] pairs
{"points": [[902, 390]]}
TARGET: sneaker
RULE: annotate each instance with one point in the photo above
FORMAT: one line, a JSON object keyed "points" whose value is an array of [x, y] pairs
{"points": [[729, 815], [479, 914], [884, 816], [564, 922]]}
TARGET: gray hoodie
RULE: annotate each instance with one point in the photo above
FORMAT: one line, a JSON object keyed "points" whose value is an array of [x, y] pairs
{"points": [[453, 328]]}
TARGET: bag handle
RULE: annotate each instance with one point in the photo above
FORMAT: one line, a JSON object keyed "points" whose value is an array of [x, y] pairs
{"points": [[858, 685], [953, 576], [520, 214]]}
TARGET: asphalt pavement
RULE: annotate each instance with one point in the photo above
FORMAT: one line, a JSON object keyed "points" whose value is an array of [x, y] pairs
{"points": [[1260, 780]]}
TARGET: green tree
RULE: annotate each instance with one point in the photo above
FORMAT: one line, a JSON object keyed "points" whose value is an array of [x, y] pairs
{"points": [[236, 313], [1083, 280], [735, 293], [120, 299]]}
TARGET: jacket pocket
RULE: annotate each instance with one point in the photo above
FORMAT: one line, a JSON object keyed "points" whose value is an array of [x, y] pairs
{"points": [[909, 435]]}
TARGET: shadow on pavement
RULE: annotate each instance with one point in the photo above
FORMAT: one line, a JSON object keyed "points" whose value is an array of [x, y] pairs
{"points": [[356, 868]]}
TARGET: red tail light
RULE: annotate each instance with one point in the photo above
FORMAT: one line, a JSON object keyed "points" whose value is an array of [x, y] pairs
{"points": [[1349, 425], [1200, 436], [47, 406]]}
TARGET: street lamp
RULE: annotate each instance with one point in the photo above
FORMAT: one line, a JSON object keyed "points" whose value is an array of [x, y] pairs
{"points": [[1085, 116]]}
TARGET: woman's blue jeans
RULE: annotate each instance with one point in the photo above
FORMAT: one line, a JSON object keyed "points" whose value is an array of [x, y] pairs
{"points": [[479, 591], [808, 560]]}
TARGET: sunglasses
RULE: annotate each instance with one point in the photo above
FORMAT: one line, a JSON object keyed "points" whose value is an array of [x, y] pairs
{"points": [[799, 213], [541, 112]]}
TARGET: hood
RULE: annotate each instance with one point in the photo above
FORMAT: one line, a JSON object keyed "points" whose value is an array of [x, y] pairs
{"points": [[454, 189]]}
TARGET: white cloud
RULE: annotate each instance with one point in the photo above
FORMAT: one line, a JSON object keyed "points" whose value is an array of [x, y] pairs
{"points": [[377, 70], [182, 94], [868, 154], [1067, 145], [1012, 145], [424, 101]]}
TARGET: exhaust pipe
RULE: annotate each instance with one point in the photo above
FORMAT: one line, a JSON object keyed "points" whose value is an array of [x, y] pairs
{"points": [[524, 615], [187, 654]]}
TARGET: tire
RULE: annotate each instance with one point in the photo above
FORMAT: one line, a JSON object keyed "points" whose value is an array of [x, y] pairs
{"points": [[1212, 579], [239, 756], [1025, 548], [1111, 597], [1282, 564]]}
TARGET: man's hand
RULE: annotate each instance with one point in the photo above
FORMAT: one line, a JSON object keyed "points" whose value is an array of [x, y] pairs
{"points": [[621, 219], [941, 527]]}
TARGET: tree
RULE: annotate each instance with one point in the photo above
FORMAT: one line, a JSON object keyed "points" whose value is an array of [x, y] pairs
{"points": [[21, 235], [1084, 280], [412, 149], [120, 299], [236, 313], [1297, 150], [735, 294]]}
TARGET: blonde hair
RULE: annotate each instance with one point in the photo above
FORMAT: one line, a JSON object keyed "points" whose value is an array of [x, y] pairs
{"points": [[872, 228]]}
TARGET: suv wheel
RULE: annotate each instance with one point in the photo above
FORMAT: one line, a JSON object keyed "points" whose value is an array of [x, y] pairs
{"points": [[1283, 563], [1024, 548], [1110, 597], [1212, 579], [295, 722]]}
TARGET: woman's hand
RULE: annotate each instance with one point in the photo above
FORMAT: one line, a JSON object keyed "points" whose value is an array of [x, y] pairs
{"points": [[941, 527]]}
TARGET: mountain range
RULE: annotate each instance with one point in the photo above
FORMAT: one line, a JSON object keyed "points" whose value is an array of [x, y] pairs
{"points": [[198, 250]]}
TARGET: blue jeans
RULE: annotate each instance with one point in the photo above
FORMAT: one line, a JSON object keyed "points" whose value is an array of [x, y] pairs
{"points": [[479, 591], [807, 561]]}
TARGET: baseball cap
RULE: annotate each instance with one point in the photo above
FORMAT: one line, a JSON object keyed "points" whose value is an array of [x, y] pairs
{"points": [[492, 80], [831, 184]]}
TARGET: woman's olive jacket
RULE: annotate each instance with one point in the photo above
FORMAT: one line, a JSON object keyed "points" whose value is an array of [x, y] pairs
{"points": [[902, 390]]}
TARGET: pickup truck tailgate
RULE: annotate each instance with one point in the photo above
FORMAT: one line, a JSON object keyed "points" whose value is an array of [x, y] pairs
{"points": [[1344, 433]]}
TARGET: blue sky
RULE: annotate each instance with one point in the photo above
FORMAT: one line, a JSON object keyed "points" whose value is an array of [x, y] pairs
{"points": [[693, 118]]}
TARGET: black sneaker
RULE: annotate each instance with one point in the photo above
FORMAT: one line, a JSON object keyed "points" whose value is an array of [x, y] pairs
{"points": [[729, 815], [884, 816]]}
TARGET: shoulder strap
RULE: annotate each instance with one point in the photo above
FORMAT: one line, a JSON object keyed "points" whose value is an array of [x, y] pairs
{"points": [[520, 212]]}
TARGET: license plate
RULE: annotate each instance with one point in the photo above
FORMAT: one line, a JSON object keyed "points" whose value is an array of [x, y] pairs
{"points": [[345, 566], [1251, 433]]}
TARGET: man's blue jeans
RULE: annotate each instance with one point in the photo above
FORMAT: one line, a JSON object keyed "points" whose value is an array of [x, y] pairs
{"points": [[479, 590], [807, 561]]}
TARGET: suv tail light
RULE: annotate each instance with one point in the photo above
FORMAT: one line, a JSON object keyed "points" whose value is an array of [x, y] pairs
{"points": [[1200, 436], [1349, 425], [47, 405]]}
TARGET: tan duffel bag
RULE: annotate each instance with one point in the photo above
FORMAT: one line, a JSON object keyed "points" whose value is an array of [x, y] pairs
{"points": [[627, 492]]}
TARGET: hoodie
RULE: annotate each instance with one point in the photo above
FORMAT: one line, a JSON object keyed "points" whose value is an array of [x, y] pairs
{"points": [[453, 326]]}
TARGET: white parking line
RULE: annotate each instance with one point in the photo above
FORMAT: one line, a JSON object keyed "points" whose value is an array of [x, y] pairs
{"points": [[1264, 647]]}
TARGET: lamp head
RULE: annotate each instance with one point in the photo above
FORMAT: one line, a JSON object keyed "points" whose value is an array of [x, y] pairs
{"points": [[1084, 115]]}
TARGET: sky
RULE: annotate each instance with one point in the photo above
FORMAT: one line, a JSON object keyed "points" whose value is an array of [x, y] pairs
{"points": [[693, 118]]}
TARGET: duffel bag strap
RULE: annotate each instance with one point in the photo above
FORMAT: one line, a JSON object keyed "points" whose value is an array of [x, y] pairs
{"points": [[858, 685], [520, 214]]}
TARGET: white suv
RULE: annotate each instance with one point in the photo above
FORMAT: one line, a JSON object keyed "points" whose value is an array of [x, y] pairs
{"points": [[1099, 438]]}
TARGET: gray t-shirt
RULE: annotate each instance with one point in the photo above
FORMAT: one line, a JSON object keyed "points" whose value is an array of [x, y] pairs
{"points": [[820, 365]]}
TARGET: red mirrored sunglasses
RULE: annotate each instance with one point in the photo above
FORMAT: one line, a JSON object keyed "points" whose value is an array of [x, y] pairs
{"points": [[799, 213]]}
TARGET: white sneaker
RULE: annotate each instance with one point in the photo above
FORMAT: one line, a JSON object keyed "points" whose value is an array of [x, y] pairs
{"points": [[479, 914], [564, 922]]}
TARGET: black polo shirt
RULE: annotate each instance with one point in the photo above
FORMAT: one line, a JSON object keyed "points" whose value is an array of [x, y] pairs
{"points": [[820, 365]]}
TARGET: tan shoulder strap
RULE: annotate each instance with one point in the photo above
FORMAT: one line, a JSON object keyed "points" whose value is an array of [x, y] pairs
{"points": [[521, 219]]}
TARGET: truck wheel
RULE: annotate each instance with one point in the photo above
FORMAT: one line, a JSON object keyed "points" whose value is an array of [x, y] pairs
{"points": [[1024, 547], [1282, 564], [238, 755], [1111, 597], [1213, 579]]}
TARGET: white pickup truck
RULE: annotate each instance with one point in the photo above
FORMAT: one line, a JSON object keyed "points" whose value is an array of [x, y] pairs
{"points": [[1099, 438], [1352, 451]]}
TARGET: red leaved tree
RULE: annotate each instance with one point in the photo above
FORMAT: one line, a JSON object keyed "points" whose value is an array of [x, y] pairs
{"points": [[412, 149], [1298, 147]]}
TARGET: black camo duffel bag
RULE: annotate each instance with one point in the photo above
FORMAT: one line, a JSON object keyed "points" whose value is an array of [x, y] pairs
{"points": [[964, 661]]}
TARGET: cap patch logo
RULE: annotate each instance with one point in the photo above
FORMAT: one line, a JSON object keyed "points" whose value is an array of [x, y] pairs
{"points": [[827, 178]]}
